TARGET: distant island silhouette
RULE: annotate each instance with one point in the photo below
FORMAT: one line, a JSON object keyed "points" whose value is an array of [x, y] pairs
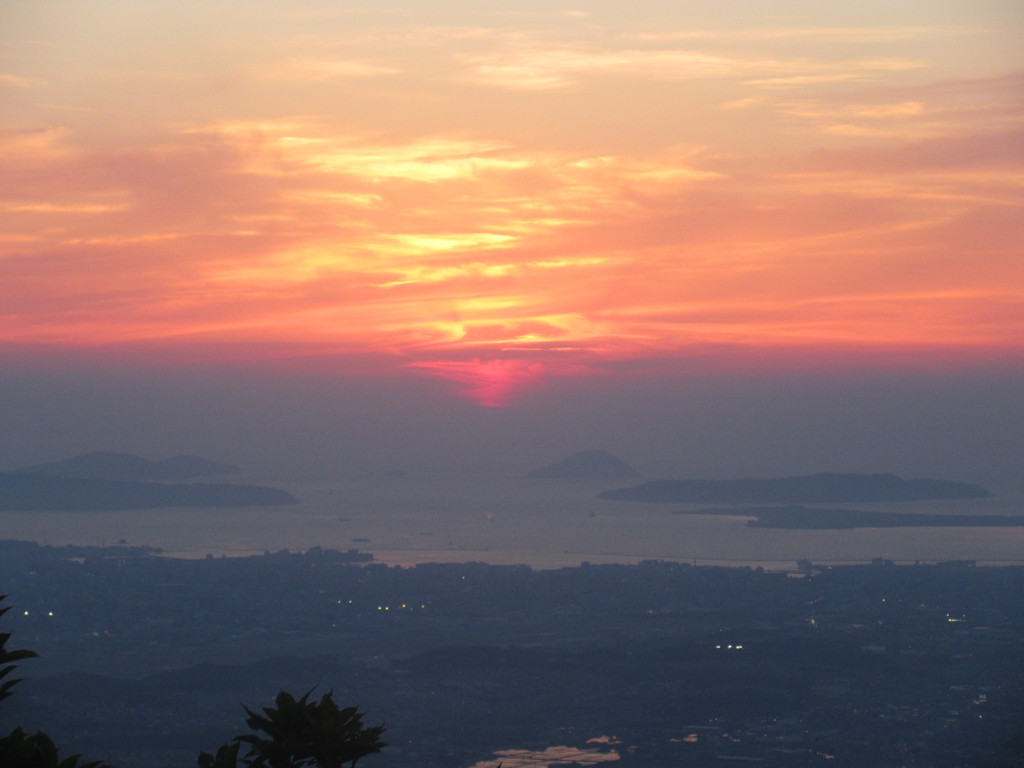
{"points": [[823, 488], [798, 517], [587, 465], [107, 480], [112, 465], [38, 493]]}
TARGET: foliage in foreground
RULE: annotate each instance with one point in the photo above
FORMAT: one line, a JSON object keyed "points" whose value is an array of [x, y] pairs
{"points": [[298, 733], [19, 749], [8, 658]]}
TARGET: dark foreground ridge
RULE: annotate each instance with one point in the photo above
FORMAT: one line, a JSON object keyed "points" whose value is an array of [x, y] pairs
{"points": [[798, 517], [587, 465], [112, 465], [823, 488], [37, 493]]}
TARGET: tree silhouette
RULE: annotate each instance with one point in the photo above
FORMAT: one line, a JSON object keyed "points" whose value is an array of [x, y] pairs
{"points": [[298, 733], [22, 750], [19, 749]]}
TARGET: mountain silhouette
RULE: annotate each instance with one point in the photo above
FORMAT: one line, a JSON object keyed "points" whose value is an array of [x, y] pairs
{"points": [[587, 465], [25, 492], [111, 465]]}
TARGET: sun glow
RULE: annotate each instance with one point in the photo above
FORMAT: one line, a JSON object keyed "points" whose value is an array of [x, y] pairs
{"points": [[490, 383]]}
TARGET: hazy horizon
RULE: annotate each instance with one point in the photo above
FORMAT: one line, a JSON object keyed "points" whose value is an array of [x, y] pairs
{"points": [[963, 427], [320, 241]]}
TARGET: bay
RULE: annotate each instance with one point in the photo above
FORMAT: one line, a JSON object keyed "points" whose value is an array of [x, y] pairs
{"points": [[540, 523]]}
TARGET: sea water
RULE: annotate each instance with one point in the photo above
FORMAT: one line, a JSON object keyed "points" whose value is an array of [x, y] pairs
{"points": [[541, 523]]}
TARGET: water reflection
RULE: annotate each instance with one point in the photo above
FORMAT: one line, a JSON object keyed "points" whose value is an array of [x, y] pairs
{"points": [[552, 756]]}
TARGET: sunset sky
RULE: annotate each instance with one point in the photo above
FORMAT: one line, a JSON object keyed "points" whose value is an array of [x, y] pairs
{"points": [[496, 198], [510, 190]]}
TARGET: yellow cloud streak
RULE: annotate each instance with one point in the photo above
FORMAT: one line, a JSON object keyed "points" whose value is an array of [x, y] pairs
{"points": [[63, 207]]}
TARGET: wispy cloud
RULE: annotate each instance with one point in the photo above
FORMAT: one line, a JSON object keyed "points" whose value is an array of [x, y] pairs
{"points": [[15, 81], [810, 33], [554, 68], [314, 70]]}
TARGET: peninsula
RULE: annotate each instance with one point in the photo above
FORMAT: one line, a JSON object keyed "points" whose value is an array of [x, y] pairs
{"points": [[798, 517], [823, 488]]}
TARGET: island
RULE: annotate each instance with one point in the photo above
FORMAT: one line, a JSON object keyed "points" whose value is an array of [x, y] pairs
{"points": [[822, 488]]}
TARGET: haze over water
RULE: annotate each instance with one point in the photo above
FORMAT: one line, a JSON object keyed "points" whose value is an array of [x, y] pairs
{"points": [[540, 523]]}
